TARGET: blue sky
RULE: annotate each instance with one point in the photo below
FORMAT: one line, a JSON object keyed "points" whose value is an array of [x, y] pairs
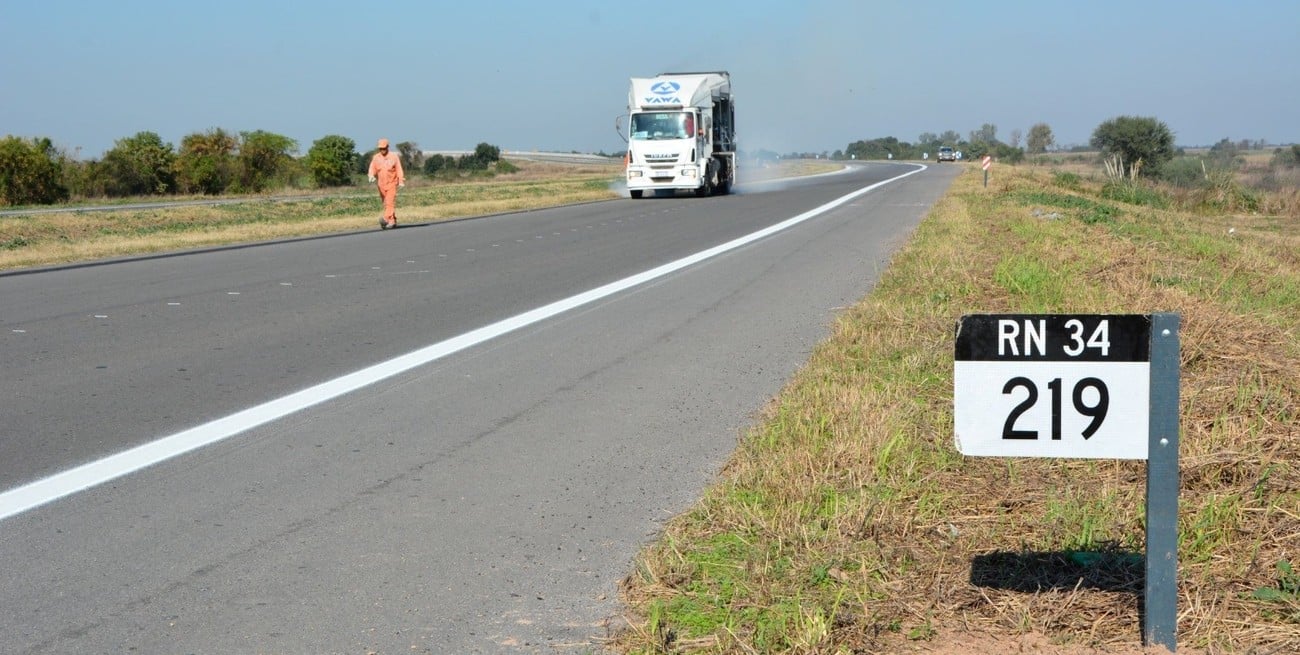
{"points": [[810, 75]]}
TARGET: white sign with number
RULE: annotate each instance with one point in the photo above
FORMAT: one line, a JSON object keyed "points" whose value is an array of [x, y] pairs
{"points": [[1029, 385]]}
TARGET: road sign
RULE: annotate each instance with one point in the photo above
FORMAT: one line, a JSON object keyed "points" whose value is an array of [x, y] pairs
{"points": [[1103, 386], [987, 163], [1052, 386]]}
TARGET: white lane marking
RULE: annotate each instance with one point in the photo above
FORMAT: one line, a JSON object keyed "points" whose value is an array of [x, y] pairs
{"points": [[95, 473]]}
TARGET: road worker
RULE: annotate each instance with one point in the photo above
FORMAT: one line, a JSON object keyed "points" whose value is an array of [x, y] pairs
{"points": [[386, 168]]}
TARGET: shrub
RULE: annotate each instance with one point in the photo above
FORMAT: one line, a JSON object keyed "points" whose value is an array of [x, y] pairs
{"points": [[434, 163], [1224, 193], [1140, 141], [1184, 172], [206, 163], [1287, 157], [1066, 179], [31, 172], [1134, 193], [1008, 154], [1040, 138], [264, 160], [331, 160], [411, 155], [139, 165], [505, 167]]}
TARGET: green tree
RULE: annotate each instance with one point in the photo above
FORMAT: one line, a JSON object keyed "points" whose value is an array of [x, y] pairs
{"points": [[331, 160], [882, 148], [1286, 157], [1139, 141], [950, 138], [976, 150], [411, 155], [139, 165], [1225, 153], [206, 162], [265, 159], [988, 133], [437, 162], [1040, 138], [484, 155], [31, 172], [1005, 152]]}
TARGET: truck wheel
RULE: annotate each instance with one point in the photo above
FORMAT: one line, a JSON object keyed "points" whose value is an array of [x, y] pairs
{"points": [[706, 185], [636, 193]]}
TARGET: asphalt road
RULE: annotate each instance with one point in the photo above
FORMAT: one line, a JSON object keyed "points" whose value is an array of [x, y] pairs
{"points": [[483, 496]]}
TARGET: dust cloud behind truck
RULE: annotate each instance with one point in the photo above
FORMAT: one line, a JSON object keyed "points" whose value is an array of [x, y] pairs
{"points": [[681, 133]]}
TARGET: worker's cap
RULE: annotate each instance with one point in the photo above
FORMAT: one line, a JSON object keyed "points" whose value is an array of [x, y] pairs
{"points": [[383, 143]]}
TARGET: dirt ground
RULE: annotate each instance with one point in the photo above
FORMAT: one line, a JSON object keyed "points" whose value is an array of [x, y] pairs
{"points": [[975, 643]]}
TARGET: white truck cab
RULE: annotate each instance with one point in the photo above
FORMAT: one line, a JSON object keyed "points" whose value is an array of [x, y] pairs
{"points": [[681, 134]]}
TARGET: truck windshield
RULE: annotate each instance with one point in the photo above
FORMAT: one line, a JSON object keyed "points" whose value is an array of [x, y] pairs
{"points": [[661, 125]]}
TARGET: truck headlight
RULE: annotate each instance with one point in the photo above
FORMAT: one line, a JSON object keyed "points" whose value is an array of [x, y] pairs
{"points": [[632, 173], [688, 172]]}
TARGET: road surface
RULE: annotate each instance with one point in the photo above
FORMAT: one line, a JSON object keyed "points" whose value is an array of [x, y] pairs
{"points": [[427, 461]]}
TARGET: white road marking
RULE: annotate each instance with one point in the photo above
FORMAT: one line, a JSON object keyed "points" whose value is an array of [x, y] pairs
{"points": [[86, 476]]}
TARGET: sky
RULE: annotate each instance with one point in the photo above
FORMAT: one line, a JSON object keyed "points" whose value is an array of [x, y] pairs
{"points": [[808, 75]]}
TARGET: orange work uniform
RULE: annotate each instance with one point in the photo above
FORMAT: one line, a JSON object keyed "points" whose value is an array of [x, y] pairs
{"points": [[387, 170]]}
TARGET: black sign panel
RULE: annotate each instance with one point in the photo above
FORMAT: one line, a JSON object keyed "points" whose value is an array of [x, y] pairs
{"points": [[1054, 338]]}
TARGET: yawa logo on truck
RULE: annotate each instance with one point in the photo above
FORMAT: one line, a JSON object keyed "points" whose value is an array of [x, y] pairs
{"points": [[665, 91]]}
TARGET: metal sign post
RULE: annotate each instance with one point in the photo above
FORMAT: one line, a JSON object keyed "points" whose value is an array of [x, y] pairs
{"points": [[1161, 590], [1082, 386]]}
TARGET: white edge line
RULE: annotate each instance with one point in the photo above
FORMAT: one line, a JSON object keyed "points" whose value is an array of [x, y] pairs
{"points": [[71, 481]]}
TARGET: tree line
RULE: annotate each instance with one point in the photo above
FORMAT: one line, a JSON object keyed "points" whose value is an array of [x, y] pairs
{"points": [[976, 144], [1142, 145], [216, 162]]}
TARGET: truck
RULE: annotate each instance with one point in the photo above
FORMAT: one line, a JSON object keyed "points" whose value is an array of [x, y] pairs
{"points": [[681, 134]]}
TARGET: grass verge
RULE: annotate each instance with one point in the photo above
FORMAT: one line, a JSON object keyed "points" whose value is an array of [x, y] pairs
{"points": [[846, 521], [64, 237], [58, 238]]}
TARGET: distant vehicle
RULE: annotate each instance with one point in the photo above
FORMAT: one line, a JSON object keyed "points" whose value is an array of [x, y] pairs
{"points": [[946, 153]]}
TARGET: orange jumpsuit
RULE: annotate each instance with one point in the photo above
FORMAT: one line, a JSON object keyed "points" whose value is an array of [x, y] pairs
{"points": [[387, 169]]}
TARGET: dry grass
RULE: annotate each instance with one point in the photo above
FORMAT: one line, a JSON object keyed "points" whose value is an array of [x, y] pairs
{"points": [[56, 238], [59, 238], [846, 522]]}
